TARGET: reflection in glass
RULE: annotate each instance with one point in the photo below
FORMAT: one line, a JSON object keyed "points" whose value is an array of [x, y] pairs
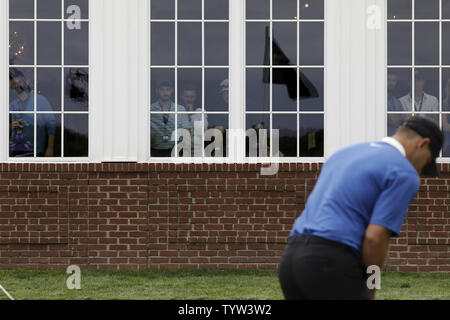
{"points": [[76, 132], [284, 89], [49, 86], [311, 135], [76, 89], [312, 89], [190, 9], [216, 10], [399, 9], [258, 9], [216, 90], [426, 43], [49, 43], [257, 147], [311, 9], [446, 131], [21, 85], [257, 91], [426, 90], [446, 90], [216, 44], [311, 43], [82, 4], [76, 45], [162, 78], [284, 9], [395, 121], [398, 85], [162, 9], [426, 9], [163, 43], [21, 139], [190, 89], [287, 126], [189, 43], [218, 122], [446, 43], [49, 135], [21, 43], [399, 43], [284, 47], [21, 9], [257, 44], [48, 9]]}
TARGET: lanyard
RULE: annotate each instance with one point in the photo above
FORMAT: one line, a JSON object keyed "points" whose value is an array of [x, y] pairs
{"points": [[421, 103]]}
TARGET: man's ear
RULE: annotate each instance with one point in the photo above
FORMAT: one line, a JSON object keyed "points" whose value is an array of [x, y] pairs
{"points": [[425, 142]]}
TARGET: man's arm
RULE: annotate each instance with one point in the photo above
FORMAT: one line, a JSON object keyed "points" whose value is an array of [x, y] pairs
{"points": [[51, 146], [375, 247]]}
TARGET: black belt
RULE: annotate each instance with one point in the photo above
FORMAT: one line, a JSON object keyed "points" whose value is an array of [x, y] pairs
{"points": [[319, 240]]}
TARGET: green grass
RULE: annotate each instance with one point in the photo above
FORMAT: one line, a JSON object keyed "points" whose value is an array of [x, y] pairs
{"points": [[195, 285]]}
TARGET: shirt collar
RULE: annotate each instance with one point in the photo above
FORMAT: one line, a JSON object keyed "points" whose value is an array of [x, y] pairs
{"points": [[397, 145]]}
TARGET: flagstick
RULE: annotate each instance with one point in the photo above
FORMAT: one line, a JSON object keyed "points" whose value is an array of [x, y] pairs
{"points": [[6, 292]]}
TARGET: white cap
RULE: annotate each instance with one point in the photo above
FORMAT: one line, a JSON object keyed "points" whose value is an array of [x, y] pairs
{"points": [[224, 86]]}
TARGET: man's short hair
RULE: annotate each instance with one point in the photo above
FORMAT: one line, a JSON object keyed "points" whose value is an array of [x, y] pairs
{"points": [[189, 87]]}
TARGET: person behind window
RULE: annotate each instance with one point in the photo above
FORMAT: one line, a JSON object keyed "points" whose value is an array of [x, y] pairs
{"points": [[394, 104], [22, 125], [446, 118], [163, 125], [224, 91], [422, 100], [188, 100]]}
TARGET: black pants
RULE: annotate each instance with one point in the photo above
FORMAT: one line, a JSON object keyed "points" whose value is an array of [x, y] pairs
{"points": [[313, 268]]}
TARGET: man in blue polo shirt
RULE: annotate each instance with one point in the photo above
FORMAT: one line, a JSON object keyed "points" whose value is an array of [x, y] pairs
{"points": [[359, 202]]}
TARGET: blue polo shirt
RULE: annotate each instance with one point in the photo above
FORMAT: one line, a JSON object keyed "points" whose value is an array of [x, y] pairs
{"points": [[368, 183]]}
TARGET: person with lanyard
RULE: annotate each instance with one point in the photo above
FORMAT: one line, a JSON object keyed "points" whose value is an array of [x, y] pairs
{"points": [[359, 201], [423, 102]]}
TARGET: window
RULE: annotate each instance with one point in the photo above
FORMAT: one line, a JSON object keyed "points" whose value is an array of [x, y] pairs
{"points": [[418, 74], [48, 76]]}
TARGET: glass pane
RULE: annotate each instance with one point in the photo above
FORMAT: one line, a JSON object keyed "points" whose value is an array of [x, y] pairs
{"points": [[395, 121], [216, 90], [48, 135], [21, 9], [399, 43], [189, 43], [446, 43], [49, 9], [257, 43], [399, 9], [21, 43], [162, 88], [284, 47], [446, 89], [216, 9], [399, 88], [76, 133], [284, 89], [287, 126], [256, 122], [49, 89], [426, 9], [190, 9], [189, 90], [163, 43], [49, 48], [82, 7], [216, 43], [427, 90], [21, 140], [258, 90], [76, 89], [311, 135], [186, 123], [162, 127], [284, 9], [162, 9], [427, 43], [311, 43], [76, 45], [311, 9], [216, 122], [258, 9], [21, 84], [311, 89], [445, 9], [446, 131]]}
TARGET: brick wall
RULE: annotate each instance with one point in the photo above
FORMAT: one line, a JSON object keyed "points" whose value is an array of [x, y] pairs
{"points": [[163, 216]]}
